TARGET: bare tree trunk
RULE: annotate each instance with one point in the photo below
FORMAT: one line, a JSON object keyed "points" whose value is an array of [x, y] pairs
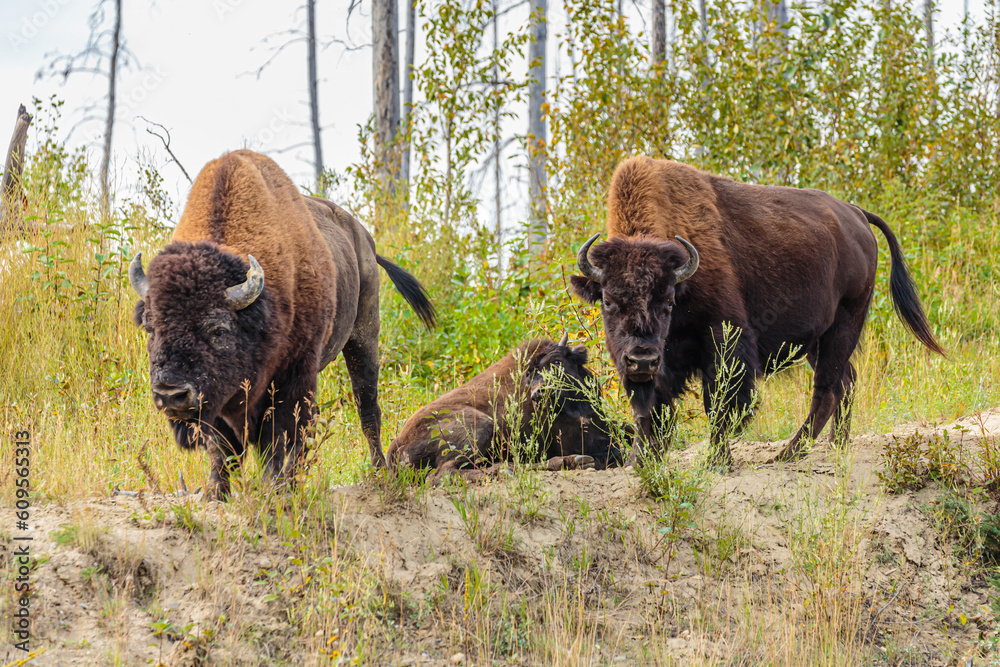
{"points": [[110, 122], [385, 66], [658, 40], [703, 15], [411, 42], [11, 189], [538, 222], [497, 202], [314, 100], [929, 26]]}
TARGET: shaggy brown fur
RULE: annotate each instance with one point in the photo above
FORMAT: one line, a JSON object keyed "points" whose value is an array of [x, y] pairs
{"points": [[788, 268], [473, 423], [226, 376]]}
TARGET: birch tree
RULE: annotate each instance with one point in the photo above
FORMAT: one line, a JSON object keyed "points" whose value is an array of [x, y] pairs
{"points": [[658, 34], [317, 138], [537, 179], [411, 40], [385, 75], [104, 55]]}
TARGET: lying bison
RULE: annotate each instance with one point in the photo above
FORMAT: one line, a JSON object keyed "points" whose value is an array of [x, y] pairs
{"points": [[790, 270], [543, 388], [258, 291]]}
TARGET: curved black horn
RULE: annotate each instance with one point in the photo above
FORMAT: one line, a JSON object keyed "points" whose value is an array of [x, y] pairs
{"points": [[583, 260], [564, 342], [686, 271], [242, 295], [137, 276]]}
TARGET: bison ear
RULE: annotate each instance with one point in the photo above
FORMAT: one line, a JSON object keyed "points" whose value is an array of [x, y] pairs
{"points": [[585, 288], [580, 354], [139, 312]]}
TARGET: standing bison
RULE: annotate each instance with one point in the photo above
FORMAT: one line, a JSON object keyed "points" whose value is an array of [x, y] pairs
{"points": [[543, 389], [788, 269], [259, 289]]}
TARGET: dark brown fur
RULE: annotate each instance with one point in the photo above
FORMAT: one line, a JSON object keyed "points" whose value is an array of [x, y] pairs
{"points": [[788, 268], [255, 369], [473, 423]]}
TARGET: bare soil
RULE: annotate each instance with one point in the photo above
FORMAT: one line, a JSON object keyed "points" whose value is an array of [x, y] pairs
{"points": [[224, 596]]}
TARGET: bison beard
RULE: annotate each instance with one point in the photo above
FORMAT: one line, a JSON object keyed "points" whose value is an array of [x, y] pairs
{"points": [[781, 269], [235, 345]]}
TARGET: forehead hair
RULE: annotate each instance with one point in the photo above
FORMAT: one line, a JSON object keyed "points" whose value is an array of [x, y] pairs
{"points": [[638, 267], [193, 274]]}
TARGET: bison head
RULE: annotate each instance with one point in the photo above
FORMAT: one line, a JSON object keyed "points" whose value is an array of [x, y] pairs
{"points": [[562, 387], [205, 312], [636, 282]]}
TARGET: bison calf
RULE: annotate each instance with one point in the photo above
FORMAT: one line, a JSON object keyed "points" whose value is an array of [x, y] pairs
{"points": [[543, 388]]}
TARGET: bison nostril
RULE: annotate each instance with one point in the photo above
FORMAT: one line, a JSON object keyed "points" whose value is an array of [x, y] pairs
{"points": [[173, 397], [642, 362]]}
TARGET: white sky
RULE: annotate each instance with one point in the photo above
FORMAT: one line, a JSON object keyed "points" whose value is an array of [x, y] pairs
{"points": [[197, 57]]}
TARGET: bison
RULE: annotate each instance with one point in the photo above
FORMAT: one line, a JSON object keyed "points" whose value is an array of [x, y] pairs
{"points": [[259, 289], [542, 388], [790, 270]]}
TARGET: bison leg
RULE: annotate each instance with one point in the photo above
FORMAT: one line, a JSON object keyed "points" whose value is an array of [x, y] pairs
{"points": [[832, 380], [728, 395], [647, 439], [361, 355], [841, 431], [225, 451], [730, 408], [571, 462], [292, 411]]}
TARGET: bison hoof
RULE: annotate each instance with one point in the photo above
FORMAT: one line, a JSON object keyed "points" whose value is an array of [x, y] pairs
{"points": [[789, 453], [721, 461]]}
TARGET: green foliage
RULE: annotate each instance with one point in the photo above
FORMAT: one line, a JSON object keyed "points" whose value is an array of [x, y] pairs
{"points": [[913, 460], [976, 533]]}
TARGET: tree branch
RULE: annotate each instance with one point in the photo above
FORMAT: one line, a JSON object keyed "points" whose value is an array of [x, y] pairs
{"points": [[166, 144]]}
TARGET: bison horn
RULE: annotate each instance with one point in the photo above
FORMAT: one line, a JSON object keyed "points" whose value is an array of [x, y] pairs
{"points": [[242, 295], [583, 261], [564, 342], [690, 266], [137, 276]]}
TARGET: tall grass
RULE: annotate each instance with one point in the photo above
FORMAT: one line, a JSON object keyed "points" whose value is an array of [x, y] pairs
{"points": [[74, 371]]}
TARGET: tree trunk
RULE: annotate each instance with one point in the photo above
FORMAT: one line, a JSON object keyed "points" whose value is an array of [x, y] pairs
{"points": [[320, 187], [11, 189], [929, 26], [658, 40], [411, 42], [385, 69], [703, 15], [110, 121], [538, 230], [782, 16], [497, 202]]}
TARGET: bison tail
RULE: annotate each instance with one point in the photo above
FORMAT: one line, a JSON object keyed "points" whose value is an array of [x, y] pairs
{"points": [[411, 289], [904, 292]]}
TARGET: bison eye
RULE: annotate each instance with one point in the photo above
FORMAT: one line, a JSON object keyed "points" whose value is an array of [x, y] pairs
{"points": [[218, 332], [609, 304]]}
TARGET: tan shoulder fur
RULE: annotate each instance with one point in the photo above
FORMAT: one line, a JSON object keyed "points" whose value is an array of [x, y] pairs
{"points": [[245, 202]]}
